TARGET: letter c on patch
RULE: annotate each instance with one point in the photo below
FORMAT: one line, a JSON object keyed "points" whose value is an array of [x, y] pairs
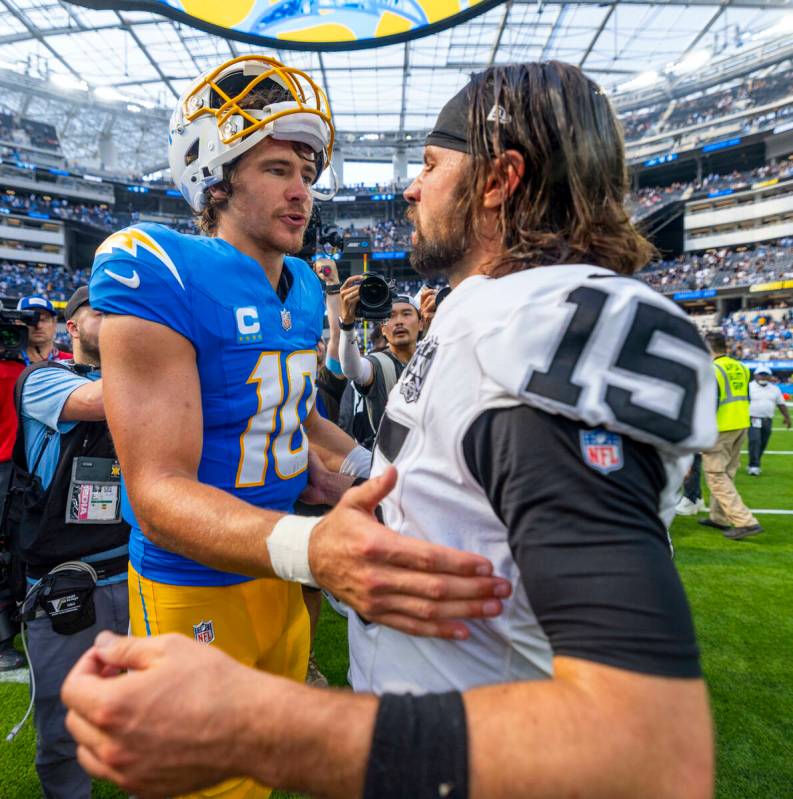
{"points": [[248, 321]]}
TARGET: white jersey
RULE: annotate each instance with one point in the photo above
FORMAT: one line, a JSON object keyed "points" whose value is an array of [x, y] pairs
{"points": [[575, 340]]}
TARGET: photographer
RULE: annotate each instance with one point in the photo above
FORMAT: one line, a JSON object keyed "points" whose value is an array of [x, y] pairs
{"points": [[38, 346], [376, 374], [64, 523], [330, 379], [41, 335]]}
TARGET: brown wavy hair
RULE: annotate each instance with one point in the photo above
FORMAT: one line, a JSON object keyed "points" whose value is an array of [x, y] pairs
{"points": [[568, 207]]}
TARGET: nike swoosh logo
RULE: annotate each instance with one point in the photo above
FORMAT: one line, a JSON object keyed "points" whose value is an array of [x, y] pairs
{"points": [[133, 282]]}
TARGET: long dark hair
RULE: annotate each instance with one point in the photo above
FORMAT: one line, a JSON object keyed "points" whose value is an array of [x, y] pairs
{"points": [[568, 207]]}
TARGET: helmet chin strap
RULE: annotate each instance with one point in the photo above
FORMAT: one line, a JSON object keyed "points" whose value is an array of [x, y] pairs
{"points": [[319, 194]]}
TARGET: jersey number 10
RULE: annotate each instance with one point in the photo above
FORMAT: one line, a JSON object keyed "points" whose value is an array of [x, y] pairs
{"points": [[277, 397]]}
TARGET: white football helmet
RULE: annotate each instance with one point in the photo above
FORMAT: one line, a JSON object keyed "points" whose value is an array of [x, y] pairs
{"points": [[211, 125]]}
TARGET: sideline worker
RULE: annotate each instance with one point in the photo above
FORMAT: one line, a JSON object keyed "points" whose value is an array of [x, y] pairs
{"points": [[728, 512], [71, 539], [764, 398]]}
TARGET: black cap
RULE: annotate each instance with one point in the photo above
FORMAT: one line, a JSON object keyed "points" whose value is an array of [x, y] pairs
{"points": [[77, 300]]}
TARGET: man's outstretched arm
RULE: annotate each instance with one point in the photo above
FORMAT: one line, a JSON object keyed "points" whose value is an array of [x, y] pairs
{"points": [[153, 403], [624, 715], [592, 732]]}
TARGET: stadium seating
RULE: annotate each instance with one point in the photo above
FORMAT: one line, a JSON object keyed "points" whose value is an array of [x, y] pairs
{"points": [[54, 282], [761, 332], [705, 108], [45, 207], [723, 268]]}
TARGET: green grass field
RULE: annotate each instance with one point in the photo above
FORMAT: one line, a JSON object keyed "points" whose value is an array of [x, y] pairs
{"points": [[741, 593]]}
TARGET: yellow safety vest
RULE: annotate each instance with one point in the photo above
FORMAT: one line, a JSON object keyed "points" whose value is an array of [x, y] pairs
{"points": [[733, 379]]}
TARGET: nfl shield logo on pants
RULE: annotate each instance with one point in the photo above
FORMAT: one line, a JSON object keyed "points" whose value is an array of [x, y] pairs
{"points": [[602, 450], [204, 632]]}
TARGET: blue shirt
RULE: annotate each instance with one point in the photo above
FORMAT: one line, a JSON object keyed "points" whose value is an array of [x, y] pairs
{"points": [[256, 361], [43, 397]]}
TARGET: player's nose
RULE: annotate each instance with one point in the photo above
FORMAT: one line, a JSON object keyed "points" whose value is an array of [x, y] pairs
{"points": [[298, 190]]}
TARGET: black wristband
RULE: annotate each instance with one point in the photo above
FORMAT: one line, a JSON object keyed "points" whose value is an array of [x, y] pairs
{"points": [[419, 748], [333, 288], [346, 325]]}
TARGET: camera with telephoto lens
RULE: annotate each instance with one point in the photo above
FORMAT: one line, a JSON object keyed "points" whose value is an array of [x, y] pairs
{"points": [[375, 298], [320, 239], [14, 336]]}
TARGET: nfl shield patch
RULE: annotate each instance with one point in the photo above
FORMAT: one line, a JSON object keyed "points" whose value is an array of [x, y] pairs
{"points": [[204, 632], [602, 450], [286, 319]]}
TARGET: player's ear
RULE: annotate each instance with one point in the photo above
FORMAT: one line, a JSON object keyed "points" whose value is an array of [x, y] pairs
{"points": [[220, 191], [505, 176]]}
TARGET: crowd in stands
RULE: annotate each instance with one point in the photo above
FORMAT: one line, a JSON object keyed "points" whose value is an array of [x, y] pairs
{"points": [[388, 235], [758, 333], [53, 282], [28, 132], [723, 268], [749, 93], [781, 170], [45, 207], [642, 202]]}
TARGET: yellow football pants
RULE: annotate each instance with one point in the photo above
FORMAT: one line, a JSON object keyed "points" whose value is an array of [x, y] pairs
{"points": [[261, 623]]}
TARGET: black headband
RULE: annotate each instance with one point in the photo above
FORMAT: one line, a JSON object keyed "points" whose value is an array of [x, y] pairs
{"points": [[451, 127]]}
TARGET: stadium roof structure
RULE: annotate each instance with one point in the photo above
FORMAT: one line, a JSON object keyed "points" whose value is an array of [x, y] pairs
{"points": [[114, 75]]}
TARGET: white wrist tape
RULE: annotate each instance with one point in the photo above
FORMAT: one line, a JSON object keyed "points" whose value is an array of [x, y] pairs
{"points": [[358, 462], [288, 548]]}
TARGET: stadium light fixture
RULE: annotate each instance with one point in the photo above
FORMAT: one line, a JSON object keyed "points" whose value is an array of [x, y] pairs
{"points": [[14, 67], [780, 28], [691, 63], [785, 25], [641, 81], [108, 93], [68, 82]]}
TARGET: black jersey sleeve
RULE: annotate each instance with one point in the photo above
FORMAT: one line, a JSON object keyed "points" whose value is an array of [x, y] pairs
{"points": [[584, 531]]}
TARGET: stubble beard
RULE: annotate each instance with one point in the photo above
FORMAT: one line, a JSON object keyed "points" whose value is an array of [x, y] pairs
{"points": [[438, 256], [89, 349]]}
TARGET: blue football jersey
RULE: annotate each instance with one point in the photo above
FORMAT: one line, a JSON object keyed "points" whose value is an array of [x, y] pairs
{"points": [[256, 362]]}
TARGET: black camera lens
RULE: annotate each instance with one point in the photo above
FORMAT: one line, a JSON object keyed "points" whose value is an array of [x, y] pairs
{"points": [[374, 299], [374, 291]]}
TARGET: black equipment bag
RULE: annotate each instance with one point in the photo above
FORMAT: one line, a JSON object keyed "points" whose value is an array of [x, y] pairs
{"points": [[35, 519]]}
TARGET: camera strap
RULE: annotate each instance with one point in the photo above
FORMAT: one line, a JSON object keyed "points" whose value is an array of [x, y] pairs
{"points": [[390, 377]]}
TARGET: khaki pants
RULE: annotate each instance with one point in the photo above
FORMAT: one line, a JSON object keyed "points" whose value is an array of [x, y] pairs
{"points": [[720, 465]]}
